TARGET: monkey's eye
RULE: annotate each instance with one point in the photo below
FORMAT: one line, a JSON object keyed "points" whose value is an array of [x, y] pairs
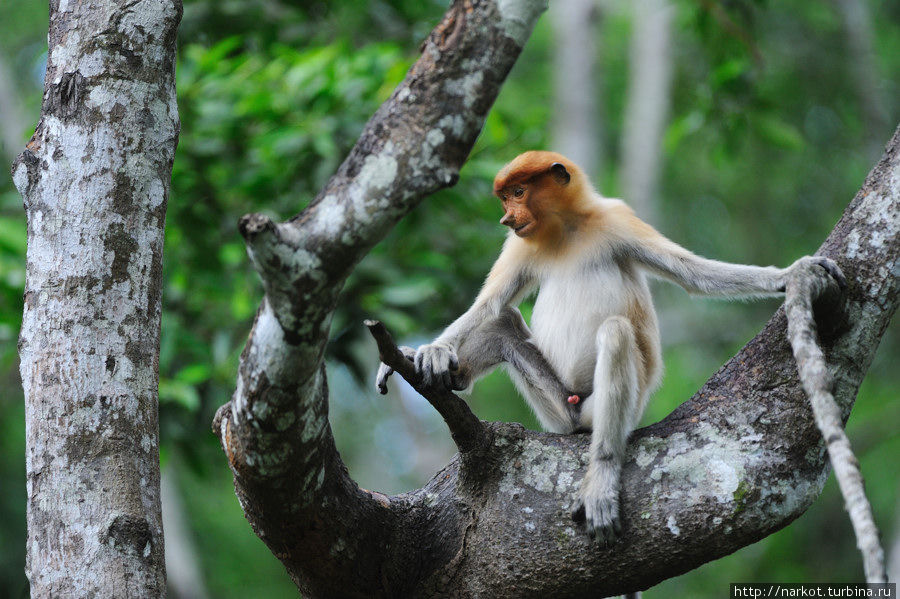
{"points": [[519, 192]]}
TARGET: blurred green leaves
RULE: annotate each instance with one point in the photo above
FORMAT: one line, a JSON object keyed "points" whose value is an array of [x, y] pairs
{"points": [[12, 275], [261, 131]]}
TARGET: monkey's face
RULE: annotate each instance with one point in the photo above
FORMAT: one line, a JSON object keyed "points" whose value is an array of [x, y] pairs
{"points": [[535, 196], [519, 214]]}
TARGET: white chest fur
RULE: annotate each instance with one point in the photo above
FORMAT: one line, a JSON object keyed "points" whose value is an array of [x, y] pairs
{"points": [[572, 303]]}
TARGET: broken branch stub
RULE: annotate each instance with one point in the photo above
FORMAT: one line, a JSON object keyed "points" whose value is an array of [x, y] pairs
{"points": [[468, 432]]}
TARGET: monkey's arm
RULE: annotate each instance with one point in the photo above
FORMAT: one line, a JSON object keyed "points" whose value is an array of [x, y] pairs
{"points": [[669, 260], [508, 281]]}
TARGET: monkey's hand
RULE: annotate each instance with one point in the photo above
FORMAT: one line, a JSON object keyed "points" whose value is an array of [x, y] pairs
{"points": [[436, 363], [385, 371], [804, 263]]}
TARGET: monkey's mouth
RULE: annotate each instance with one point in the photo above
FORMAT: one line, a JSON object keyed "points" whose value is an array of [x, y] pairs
{"points": [[524, 229]]}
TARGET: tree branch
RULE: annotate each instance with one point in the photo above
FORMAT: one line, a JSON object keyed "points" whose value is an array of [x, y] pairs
{"points": [[738, 461], [288, 476], [802, 290], [467, 430], [414, 145]]}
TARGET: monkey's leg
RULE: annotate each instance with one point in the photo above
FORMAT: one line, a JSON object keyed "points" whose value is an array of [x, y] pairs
{"points": [[614, 407], [507, 339]]}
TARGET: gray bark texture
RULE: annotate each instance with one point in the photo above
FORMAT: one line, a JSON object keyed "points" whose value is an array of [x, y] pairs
{"points": [[95, 180], [738, 461]]}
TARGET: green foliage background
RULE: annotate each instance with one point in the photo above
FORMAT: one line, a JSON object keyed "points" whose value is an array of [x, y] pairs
{"points": [[760, 159]]}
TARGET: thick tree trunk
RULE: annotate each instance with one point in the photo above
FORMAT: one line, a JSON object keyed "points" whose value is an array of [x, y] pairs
{"points": [[738, 461], [95, 179]]}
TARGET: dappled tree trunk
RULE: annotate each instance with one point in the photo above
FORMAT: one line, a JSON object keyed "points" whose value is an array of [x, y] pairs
{"points": [[95, 180], [736, 462]]}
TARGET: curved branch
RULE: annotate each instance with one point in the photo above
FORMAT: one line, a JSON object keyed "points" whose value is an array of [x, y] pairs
{"points": [[288, 475]]}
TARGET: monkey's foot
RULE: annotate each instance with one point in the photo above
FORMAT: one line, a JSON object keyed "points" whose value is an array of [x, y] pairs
{"points": [[600, 516], [597, 503]]}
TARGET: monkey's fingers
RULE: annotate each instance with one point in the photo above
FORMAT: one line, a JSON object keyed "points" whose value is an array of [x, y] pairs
{"points": [[433, 364], [605, 528], [834, 270], [577, 511], [384, 373], [452, 366], [446, 380], [419, 361]]}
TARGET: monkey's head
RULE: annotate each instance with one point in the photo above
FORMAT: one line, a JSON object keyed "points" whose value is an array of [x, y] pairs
{"points": [[541, 193]]}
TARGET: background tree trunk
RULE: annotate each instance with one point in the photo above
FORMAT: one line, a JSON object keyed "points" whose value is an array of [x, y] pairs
{"points": [[183, 570], [95, 179], [647, 109], [576, 126], [864, 70]]}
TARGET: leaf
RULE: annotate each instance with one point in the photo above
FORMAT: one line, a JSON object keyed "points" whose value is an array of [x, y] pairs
{"points": [[409, 293], [729, 71], [12, 235], [193, 374], [682, 127], [179, 393], [779, 133]]}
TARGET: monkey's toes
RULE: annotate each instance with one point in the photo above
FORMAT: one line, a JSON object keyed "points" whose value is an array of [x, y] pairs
{"points": [[600, 517], [577, 511], [384, 373], [834, 270]]}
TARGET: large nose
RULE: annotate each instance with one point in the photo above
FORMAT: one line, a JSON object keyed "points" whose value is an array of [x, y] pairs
{"points": [[508, 219]]}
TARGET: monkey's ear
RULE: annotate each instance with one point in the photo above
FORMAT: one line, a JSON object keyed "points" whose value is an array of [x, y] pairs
{"points": [[560, 174]]}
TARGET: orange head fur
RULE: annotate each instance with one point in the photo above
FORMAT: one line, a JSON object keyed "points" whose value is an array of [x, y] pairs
{"points": [[544, 196]]}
